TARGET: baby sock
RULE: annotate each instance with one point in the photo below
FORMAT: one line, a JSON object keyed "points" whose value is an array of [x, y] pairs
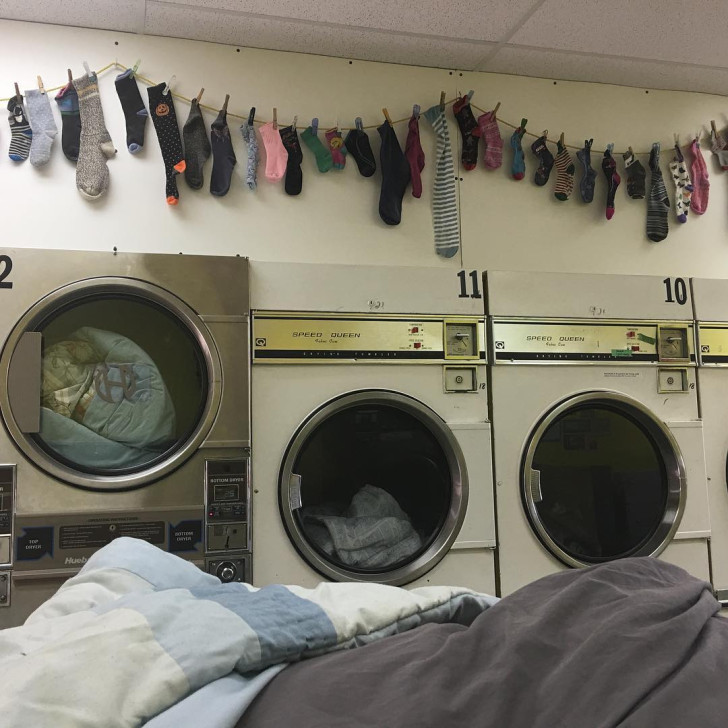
{"points": [[635, 176], [251, 171], [657, 203], [357, 143], [545, 159], [564, 173], [490, 133], [609, 167], [395, 175], [294, 175], [701, 183], [164, 118], [337, 148], [67, 100], [96, 147], [324, 162], [135, 112], [223, 155], [276, 155], [197, 147], [518, 168], [466, 122], [21, 134], [588, 179], [683, 185], [43, 126], [415, 155], [717, 146]]}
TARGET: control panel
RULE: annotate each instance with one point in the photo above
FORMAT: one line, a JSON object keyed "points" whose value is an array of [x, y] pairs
{"points": [[7, 498]]}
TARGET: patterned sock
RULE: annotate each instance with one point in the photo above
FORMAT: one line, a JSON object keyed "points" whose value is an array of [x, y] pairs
{"points": [[223, 156], [415, 155], [197, 147], [337, 148], [395, 175], [164, 118], [588, 179], [609, 167], [294, 174], [466, 122], [358, 145], [701, 183], [518, 168], [43, 126], [717, 146], [67, 100], [635, 176], [251, 171], [683, 185], [564, 173], [545, 159], [96, 147], [324, 161], [135, 112], [276, 155], [658, 202], [21, 134], [490, 133], [444, 195]]}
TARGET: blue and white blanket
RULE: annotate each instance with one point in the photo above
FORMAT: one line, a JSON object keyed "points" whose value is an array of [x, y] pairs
{"points": [[140, 633]]}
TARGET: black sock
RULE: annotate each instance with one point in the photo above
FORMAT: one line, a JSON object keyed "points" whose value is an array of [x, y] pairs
{"points": [[294, 175], [357, 142], [588, 179], [197, 146], [67, 100], [635, 176], [134, 111], [223, 156], [164, 118], [395, 175], [468, 124], [546, 161]]}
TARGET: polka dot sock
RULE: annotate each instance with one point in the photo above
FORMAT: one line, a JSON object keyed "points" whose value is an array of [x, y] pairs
{"points": [[164, 118], [467, 124], [683, 185]]}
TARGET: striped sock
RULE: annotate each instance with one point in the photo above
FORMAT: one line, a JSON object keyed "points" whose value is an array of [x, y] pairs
{"points": [[444, 197], [564, 173], [701, 183], [20, 131], [657, 203]]}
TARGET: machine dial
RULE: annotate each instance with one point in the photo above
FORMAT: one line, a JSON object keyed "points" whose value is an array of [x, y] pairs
{"points": [[461, 340], [672, 343], [226, 571]]}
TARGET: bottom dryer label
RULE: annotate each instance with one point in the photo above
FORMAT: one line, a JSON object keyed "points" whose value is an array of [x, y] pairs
{"points": [[96, 535], [185, 536]]}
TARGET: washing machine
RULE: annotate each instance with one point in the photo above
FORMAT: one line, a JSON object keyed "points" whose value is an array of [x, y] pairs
{"points": [[372, 458], [598, 444], [125, 412]]}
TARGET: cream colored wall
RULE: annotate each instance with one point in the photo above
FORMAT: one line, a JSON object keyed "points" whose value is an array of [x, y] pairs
{"points": [[505, 224]]}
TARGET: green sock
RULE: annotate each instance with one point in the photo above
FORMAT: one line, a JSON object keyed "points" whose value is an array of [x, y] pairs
{"points": [[322, 154]]}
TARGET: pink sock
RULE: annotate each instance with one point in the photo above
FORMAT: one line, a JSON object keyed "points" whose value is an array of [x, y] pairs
{"points": [[415, 156], [336, 145], [276, 155], [701, 184], [488, 128]]}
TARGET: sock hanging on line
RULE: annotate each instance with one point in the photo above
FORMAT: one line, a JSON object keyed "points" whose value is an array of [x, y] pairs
{"points": [[324, 161], [276, 156], [294, 174], [609, 167], [96, 147], [701, 183], [444, 193], [223, 155], [589, 177], [518, 167], [683, 185], [336, 147], [358, 145], [197, 147], [490, 134], [564, 173], [164, 118], [43, 126], [717, 146], [415, 155], [67, 100], [395, 175], [545, 159], [658, 202], [21, 135], [251, 171], [135, 112], [635, 176], [467, 124]]}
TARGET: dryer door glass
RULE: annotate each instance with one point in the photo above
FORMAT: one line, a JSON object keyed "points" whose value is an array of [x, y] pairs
{"points": [[602, 483]]}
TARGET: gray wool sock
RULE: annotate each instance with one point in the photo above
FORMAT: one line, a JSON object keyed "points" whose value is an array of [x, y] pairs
{"points": [[251, 172], [196, 146], [92, 172], [44, 127]]}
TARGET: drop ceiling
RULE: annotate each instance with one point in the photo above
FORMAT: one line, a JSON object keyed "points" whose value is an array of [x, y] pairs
{"points": [[669, 44]]}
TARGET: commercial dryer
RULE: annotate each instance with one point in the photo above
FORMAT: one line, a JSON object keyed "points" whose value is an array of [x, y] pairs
{"points": [[371, 441], [598, 445], [125, 410]]}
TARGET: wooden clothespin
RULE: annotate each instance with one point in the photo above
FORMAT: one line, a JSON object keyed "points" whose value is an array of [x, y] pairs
{"points": [[314, 125], [545, 133], [442, 101], [295, 121], [495, 111], [275, 118], [41, 87], [225, 103], [168, 85], [713, 130], [416, 111], [561, 139], [630, 150], [676, 139], [199, 95], [338, 125], [135, 67], [251, 116], [70, 76], [18, 95], [387, 117]]}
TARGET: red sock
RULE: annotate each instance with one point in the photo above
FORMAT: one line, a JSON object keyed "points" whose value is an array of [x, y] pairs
{"points": [[415, 156], [338, 150]]}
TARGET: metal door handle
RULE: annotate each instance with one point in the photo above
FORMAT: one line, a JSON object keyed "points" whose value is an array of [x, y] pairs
{"points": [[535, 484], [294, 491], [24, 375]]}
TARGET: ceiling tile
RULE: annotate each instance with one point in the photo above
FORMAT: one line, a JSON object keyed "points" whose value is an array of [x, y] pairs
{"points": [[454, 18], [657, 29], [123, 15], [171, 20]]}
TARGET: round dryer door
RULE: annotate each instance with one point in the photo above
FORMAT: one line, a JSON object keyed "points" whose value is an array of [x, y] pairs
{"points": [[373, 488], [602, 479], [110, 383]]}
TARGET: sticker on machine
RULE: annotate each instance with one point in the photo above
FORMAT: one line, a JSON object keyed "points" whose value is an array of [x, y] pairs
{"points": [[623, 375], [97, 535]]}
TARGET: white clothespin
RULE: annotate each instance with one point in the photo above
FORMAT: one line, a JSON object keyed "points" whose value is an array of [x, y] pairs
{"points": [[295, 121], [610, 147], [41, 87], [135, 67], [471, 93], [167, 85], [416, 111], [358, 123], [87, 68]]}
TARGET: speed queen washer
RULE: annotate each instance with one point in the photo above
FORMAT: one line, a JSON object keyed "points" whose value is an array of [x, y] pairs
{"points": [[598, 447], [371, 442], [125, 410]]}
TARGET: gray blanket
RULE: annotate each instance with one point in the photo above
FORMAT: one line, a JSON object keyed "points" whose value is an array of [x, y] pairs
{"points": [[633, 643]]}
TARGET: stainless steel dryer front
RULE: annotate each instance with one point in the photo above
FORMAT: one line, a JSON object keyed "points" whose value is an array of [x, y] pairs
{"points": [[125, 410]]}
